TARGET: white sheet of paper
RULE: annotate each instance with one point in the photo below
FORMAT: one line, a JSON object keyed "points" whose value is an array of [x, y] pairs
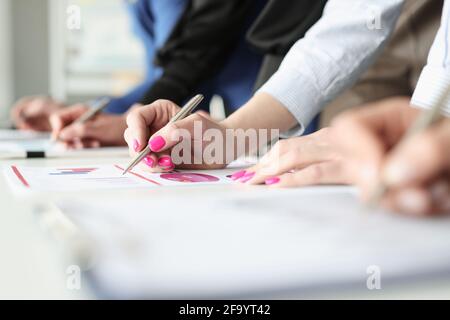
{"points": [[15, 135], [18, 149], [10, 149], [97, 177], [240, 245]]}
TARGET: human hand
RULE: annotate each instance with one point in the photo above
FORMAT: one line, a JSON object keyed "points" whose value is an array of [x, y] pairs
{"points": [[32, 113], [301, 161], [173, 145], [416, 171], [361, 148], [102, 130]]}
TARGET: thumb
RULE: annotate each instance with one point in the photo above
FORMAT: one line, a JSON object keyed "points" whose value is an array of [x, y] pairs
{"points": [[173, 133], [421, 158]]}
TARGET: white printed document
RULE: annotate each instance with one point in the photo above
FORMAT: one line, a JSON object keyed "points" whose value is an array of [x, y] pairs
{"points": [[44, 148], [98, 177]]}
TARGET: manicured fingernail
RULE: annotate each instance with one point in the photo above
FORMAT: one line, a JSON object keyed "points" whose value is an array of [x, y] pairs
{"points": [[168, 169], [157, 143], [149, 161], [272, 181], [247, 177], [136, 145], [238, 175], [397, 173], [412, 202], [165, 162]]}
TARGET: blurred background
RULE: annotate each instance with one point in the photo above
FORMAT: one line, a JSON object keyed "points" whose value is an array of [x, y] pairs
{"points": [[44, 51]]}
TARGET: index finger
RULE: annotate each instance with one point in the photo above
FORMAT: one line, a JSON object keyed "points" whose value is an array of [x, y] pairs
{"points": [[142, 121], [420, 158], [138, 122]]}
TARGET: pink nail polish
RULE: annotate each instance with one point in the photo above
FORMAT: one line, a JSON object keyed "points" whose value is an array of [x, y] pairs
{"points": [[165, 162], [169, 169], [157, 143], [272, 181], [136, 145], [247, 177], [149, 161], [238, 175]]}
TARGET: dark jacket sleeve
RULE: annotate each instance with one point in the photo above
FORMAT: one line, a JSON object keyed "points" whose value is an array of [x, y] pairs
{"points": [[278, 27], [199, 46]]}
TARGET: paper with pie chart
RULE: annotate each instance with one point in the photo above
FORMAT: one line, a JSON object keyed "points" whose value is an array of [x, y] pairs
{"points": [[97, 177]]}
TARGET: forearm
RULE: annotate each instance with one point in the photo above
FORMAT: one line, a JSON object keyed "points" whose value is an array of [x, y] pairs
{"points": [[261, 112], [258, 123]]}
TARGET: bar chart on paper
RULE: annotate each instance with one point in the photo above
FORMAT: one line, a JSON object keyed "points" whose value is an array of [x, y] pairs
{"points": [[76, 178], [72, 171]]}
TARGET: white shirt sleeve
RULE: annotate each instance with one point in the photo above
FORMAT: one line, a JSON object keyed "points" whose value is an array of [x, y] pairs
{"points": [[435, 78], [332, 56]]}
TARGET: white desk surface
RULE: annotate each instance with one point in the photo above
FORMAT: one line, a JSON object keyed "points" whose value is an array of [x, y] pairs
{"points": [[33, 264]]}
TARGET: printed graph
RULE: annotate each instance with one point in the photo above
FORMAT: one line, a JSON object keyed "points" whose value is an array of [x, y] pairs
{"points": [[72, 171]]}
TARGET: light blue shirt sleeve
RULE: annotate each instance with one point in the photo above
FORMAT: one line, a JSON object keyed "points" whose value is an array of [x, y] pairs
{"points": [[434, 81], [332, 56]]}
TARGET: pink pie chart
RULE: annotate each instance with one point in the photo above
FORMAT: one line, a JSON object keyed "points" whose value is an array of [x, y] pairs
{"points": [[189, 177]]}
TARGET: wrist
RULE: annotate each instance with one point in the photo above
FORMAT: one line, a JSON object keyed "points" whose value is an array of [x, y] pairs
{"points": [[228, 123]]}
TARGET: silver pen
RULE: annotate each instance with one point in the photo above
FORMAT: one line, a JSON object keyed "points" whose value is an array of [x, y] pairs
{"points": [[97, 106], [183, 113]]}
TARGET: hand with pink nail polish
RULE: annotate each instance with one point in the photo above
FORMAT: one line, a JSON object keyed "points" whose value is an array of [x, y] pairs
{"points": [[143, 122], [302, 161], [149, 125]]}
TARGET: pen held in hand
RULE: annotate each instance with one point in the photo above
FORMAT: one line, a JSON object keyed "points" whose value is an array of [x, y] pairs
{"points": [[96, 107], [183, 113], [425, 120]]}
